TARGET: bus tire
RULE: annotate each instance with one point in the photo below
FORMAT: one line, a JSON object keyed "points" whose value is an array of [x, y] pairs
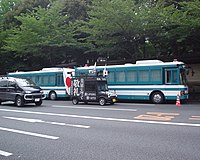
{"points": [[102, 101], [157, 98], [52, 95], [75, 101], [19, 101]]}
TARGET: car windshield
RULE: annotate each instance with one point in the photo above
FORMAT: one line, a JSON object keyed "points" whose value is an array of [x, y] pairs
{"points": [[25, 82]]}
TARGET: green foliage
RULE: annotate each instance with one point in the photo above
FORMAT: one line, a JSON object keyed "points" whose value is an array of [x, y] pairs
{"points": [[55, 31], [118, 27], [40, 32], [142, 29]]}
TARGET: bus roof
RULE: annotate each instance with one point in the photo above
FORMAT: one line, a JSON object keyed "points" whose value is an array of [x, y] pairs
{"points": [[141, 63], [44, 70]]}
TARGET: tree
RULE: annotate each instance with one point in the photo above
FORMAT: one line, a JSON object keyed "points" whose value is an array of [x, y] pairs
{"points": [[5, 7], [142, 29], [42, 33], [117, 28], [175, 28]]}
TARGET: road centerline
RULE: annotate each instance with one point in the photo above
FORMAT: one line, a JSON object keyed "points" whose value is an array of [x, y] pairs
{"points": [[46, 122], [95, 108], [104, 118]]}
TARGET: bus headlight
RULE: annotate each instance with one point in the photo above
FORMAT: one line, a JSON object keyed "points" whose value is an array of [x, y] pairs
{"points": [[183, 92]]}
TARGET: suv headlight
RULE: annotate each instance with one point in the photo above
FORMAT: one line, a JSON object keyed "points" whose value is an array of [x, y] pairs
{"points": [[27, 92]]}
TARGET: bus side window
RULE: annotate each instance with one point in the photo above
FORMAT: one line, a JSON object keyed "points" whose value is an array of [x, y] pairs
{"points": [[120, 76], [60, 81], [111, 77], [168, 77], [155, 76], [143, 76], [52, 80], [171, 76], [46, 80], [131, 76]]}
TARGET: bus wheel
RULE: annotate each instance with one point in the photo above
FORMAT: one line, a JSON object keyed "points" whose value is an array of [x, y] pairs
{"points": [[19, 101], [75, 101], [52, 95], [102, 101], [157, 98]]}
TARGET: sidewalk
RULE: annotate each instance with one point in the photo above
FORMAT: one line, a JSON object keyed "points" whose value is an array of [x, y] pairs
{"points": [[194, 98]]}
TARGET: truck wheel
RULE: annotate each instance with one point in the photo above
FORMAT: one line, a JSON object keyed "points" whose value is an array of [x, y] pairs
{"points": [[38, 103], [102, 101], [75, 101], [19, 101]]}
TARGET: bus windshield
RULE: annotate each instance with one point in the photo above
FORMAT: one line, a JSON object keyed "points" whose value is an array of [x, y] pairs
{"points": [[183, 77]]}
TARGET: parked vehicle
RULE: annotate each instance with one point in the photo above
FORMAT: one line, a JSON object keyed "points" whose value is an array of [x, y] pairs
{"points": [[151, 80], [53, 81], [91, 89], [20, 91]]}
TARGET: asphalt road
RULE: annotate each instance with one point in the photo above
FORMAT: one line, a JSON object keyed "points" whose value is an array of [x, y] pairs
{"points": [[58, 130]]}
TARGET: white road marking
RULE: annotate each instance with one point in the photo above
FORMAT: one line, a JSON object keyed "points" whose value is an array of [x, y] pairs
{"points": [[95, 108], [25, 119], [28, 133], [104, 118], [41, 121], [6, 154], [138, 104]]}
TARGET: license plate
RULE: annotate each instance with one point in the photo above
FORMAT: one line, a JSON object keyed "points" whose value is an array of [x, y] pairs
{"points": [[37, 99]]}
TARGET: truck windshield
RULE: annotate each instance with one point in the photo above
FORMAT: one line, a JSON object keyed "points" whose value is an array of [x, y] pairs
{"points": [[25, 82], [102, 86]]}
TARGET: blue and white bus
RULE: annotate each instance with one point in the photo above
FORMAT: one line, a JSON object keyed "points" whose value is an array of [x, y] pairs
{"points": [[55, 82], [152, 80]]}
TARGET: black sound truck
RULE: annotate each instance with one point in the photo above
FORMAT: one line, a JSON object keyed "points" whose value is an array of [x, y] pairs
{"points": [[91, 89]]}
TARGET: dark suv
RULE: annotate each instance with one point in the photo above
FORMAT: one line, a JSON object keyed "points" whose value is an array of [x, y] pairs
{"points": [[20, 91]]}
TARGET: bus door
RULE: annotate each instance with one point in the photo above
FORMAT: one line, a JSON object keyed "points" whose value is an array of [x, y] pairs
{"points": [[59, 79], [171, 76]]}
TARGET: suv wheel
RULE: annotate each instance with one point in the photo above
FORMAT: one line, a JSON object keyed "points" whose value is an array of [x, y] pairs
{"points": [[38, 103], [19, 101], [102, 101]]}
